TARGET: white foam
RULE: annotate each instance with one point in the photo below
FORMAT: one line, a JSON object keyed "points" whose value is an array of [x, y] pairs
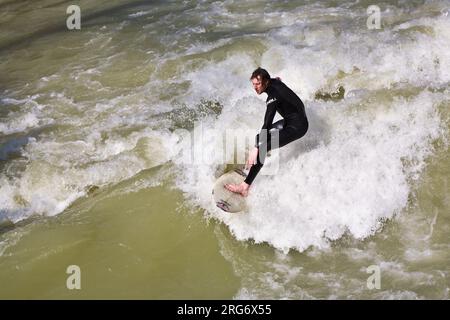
{"points": [[139, 14], [60, 171], [397, 295], [364, 159], [19, 124], [349, 184], [30, 115]]}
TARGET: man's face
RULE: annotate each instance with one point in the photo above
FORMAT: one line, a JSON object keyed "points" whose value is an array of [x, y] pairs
{"points": [[259, 85]]}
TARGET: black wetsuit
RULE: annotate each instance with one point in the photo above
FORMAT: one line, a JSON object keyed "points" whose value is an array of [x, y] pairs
{"points": [[293, 126]]}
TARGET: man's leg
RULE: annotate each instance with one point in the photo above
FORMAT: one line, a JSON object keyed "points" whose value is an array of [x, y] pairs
{"points": [[264, 148], [285, 136]]}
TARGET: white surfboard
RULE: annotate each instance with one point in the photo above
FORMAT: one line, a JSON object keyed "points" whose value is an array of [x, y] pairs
{"points": [[226, 200]]}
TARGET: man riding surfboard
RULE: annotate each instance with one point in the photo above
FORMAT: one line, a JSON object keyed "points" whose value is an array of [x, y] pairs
{"points": [[293, 126]]}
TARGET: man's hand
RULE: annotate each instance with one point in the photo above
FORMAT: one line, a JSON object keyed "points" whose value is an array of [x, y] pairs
{"points": [[253, 155]]}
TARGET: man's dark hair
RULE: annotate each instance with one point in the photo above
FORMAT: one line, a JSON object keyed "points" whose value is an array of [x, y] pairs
{"points": [[260, 72]]}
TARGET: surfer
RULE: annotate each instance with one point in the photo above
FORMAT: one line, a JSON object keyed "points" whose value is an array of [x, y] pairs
{"points": [[293, 126]]}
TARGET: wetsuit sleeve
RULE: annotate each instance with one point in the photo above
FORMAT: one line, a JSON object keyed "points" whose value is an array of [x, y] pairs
{"points": [[268, 119]]}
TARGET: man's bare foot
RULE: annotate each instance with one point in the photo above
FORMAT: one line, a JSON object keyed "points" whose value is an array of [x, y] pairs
{"points": [[241, 188]]}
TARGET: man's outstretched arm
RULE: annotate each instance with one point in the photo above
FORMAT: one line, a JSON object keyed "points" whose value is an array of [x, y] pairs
{"points": [[268, 119]]}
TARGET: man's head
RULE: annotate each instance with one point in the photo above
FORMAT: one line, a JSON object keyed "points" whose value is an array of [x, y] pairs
{"points": [[260, 80]]}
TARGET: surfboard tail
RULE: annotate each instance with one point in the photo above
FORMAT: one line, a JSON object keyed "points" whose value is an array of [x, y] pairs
{"points": [[222, 204]]}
